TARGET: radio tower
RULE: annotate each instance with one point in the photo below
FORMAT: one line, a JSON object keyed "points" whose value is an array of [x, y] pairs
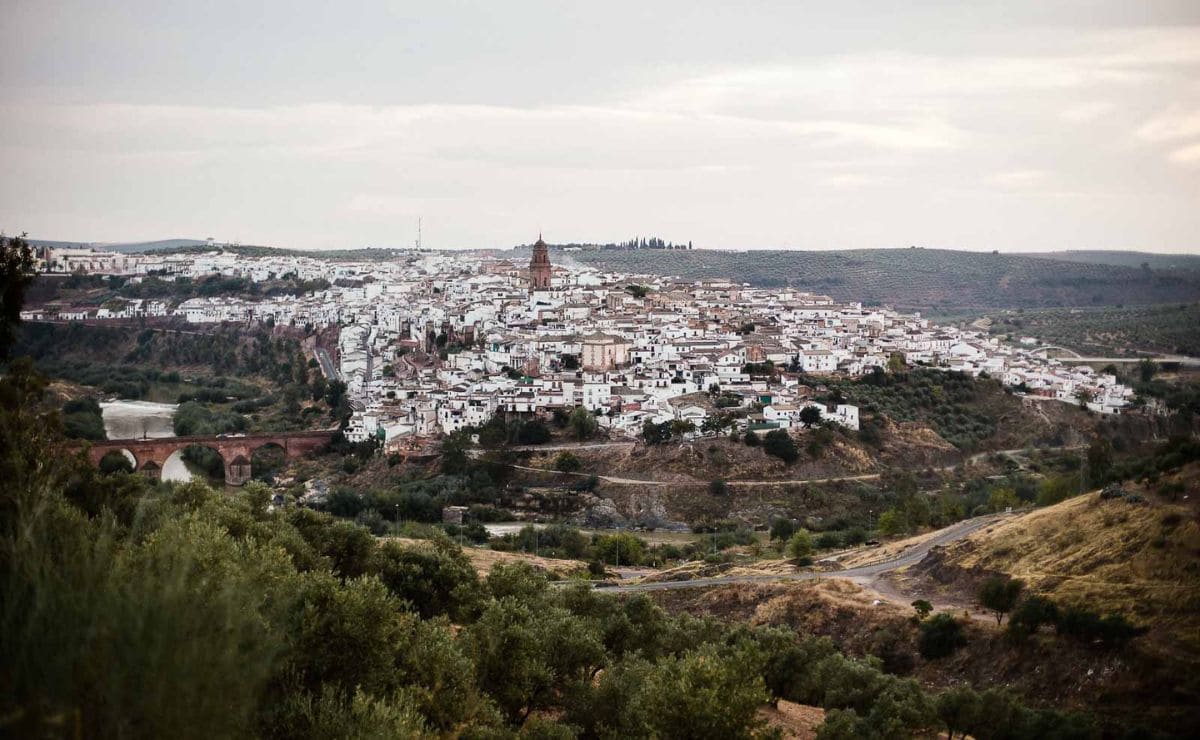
{"points": [[418, 233]]}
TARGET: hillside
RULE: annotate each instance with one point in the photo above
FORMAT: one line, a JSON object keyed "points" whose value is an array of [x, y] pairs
{"points": [[1124, 258], [1121, 555], [921, 279], [1107, 331]]}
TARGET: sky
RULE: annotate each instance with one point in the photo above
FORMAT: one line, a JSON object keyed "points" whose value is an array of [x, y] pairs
{"points": [[1017, 126]]}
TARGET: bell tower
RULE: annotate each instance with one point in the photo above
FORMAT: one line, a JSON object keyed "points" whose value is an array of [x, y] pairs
{"points": [[539, 266]]}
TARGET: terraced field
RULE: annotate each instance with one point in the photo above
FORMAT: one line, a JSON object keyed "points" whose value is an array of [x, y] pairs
{"points": [[924, 279]]}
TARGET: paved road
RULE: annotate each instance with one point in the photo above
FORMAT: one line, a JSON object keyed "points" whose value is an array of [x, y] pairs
{"points": [[862, 573], [327, 366], [558, 448]]}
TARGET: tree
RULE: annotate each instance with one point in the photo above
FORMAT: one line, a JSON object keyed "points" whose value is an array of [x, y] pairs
{"points": [[1054, 489], [1147, 369], [1099, 461], [891, 523], [1001, 499], [1030, 615], [782, 529], [455, 460], [999, 594], [582, 423], [714, 423], [619, 549], [522, 654], [752, 439], [655, 434], [896, 363], [800, 544], [16, 272], [778, 443], [682, 427], [533, 432], [810, 416], [940, 636], [958, 709], [718, 487], [705, 694], [923, 608]]}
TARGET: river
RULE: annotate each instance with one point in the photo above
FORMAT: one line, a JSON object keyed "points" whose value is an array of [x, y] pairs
{"points": [[137, 419]]}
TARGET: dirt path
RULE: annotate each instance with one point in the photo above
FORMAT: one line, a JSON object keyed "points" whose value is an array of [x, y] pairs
{"points": [[773, 482]]}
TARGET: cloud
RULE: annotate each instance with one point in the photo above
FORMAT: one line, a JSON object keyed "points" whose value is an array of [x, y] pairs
{"points": [[1188, 155], [1017, 179], [1171, 126], [1087, 112]]}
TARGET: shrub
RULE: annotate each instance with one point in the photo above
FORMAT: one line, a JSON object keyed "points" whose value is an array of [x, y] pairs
{"points": [[829, 540], [782, 529], [565, 462], [1030, 615], [778, 443], [800, 545], [940, 636]]}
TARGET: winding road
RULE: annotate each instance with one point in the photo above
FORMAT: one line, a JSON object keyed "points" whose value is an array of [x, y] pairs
{"points": [[862, 573]]}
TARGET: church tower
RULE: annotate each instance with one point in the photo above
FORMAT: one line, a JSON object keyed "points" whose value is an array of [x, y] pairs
{"points": [[539, 266]]}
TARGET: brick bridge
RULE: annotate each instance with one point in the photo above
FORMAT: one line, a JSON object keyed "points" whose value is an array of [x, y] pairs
{"points": [[150, 454]]}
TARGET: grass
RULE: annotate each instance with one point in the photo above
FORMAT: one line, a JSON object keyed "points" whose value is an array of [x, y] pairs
{"points": [[1139, 560]]}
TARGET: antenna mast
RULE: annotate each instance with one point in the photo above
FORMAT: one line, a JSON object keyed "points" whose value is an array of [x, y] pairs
{"points": [[418, 232]]}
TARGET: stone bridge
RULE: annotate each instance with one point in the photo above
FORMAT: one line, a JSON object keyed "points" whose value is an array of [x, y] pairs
{"points": [[150, 454]]}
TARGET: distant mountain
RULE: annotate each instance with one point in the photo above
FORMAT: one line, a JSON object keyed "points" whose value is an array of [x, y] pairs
{"points": [[1124, 259], [921, 279]]}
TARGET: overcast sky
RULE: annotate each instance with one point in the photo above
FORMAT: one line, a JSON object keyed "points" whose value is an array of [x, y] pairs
{"points": [[1019, 126]]}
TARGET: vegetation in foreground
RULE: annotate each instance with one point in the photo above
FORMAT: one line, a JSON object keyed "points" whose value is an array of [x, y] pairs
{"points": [[142, 610]]}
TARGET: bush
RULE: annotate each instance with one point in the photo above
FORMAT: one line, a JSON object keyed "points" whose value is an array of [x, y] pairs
{"points": [[940, 636], [782, 529], [565, 462], [779, 443], [829, 540], [800, 545], [533, 432], [1030, 615]]}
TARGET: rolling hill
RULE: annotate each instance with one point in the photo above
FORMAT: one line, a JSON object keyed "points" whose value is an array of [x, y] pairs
{"points": [[924, 279]]}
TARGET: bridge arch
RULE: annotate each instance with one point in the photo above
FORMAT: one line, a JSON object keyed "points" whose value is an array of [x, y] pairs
{"points": [[267, 459], [194, 461], [233, 455], [117, 459]]}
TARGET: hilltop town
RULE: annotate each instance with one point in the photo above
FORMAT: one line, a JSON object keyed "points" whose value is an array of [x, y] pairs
{"points": [[435, 342]]}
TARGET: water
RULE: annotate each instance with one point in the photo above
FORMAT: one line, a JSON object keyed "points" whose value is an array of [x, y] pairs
{"points": [[137, 419]]}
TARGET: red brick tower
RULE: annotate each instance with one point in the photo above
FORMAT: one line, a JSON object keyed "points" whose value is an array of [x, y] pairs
{"points": [[539, 266]]}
